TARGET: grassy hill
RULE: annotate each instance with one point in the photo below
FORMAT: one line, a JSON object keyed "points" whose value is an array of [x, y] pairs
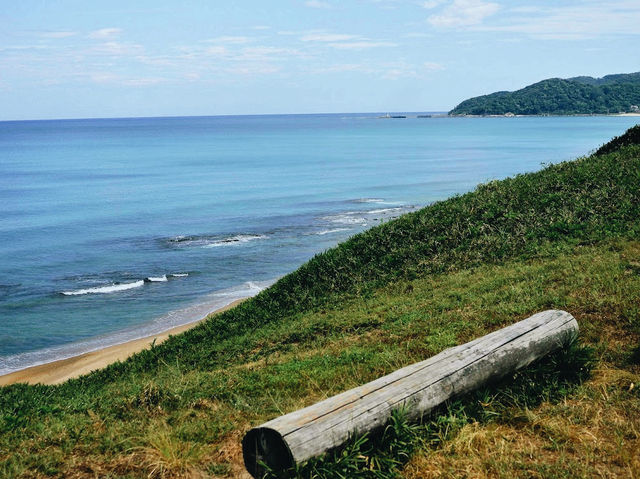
{"points": [[565, 237], [557, 96]]}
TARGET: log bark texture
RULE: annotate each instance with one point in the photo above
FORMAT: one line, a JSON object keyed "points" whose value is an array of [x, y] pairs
{"points": [[418, 388]]}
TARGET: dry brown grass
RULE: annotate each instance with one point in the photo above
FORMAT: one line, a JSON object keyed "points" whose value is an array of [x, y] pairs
{"points": [[229, 452], [595, 433]]}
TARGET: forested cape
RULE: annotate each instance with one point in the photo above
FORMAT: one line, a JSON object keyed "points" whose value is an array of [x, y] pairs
{"points": [[617, 93]]}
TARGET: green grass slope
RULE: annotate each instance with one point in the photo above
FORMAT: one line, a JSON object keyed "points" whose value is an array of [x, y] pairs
{"points": [[630, 137], [565, 237], [557, 96]]}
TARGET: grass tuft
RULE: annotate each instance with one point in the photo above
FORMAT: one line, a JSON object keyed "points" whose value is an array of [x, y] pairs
{"points": [[165, 456]]}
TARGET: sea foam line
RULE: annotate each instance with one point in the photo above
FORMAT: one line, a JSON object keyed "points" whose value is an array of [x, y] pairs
{"points": [[214, 241], [234, 240], [117, 287], [112, 288], [156, 279], [384, 210], [334, 230], [180, 317], [369, 200]]}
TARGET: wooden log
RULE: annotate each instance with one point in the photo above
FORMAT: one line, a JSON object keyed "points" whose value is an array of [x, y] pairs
{"points": [[419, 388]]}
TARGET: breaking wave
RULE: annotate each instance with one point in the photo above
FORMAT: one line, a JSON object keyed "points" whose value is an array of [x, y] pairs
{"points": [[333, 230], [189, 314], [112, 288], [156, 279], [118, 287]]}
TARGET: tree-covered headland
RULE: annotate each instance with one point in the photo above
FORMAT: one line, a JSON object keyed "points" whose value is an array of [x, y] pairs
{"points": [[583, 95]]}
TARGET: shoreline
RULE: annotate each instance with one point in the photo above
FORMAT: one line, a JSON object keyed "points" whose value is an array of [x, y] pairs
{"points": [[541, 115], [59, 371]]}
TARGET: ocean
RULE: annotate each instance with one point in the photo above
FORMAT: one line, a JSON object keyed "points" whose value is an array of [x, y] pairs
{"points": [[115, 229]]}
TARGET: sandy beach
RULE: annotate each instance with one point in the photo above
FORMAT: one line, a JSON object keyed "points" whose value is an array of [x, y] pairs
{"points": [[57, 372]]}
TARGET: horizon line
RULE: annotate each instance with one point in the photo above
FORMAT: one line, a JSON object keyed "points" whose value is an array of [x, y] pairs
{"points": [[394, 112]]}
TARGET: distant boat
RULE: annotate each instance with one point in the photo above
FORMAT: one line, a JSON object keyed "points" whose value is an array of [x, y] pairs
{"points": [[392, 116]]}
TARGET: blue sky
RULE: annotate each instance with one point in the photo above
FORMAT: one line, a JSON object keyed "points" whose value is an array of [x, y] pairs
{"points": [[79, 59]]}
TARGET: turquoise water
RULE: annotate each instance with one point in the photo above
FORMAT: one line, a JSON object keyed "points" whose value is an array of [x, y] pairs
{"points": [[115, 229]]}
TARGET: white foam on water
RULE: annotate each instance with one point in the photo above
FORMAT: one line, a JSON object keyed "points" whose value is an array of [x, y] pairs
{"points": [[380, 201], [179, 317], [383, 211], [112, 288], [347, 218], [369, 200], [334, 230], [234, 240], [118, 287], [157, 279], [213, 241], [244, 290]]}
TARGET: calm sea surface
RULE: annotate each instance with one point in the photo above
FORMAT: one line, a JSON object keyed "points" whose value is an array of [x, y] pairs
{"points": [[116, 229]]}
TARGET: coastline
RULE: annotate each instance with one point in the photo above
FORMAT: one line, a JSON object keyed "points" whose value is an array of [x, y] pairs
{"points": [[513, 115], [59, 371]]}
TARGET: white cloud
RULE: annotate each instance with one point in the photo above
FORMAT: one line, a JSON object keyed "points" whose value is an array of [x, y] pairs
{"points": [[118, 49], [402, 69], [235, 54], [230, 40], [429, 4], [530, 9], [216, 51], [361, 45], [103, 77], [111, 78], [17, 48], [318, 4], [105, 33], [143, 81], [385, 70], [58, 34], [398, 73], [158, 60], [327, 37], [249, 70], [389, 4], [433, 66], [589, 20], [417, 35], [265, 53], [462, 13], [346, 67]]}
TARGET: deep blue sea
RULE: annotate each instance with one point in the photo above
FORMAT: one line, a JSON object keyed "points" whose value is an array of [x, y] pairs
{"points": [[113, 229]]}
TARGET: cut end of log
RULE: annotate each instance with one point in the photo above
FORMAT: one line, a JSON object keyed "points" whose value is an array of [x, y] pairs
{"points": [[262, 447]]}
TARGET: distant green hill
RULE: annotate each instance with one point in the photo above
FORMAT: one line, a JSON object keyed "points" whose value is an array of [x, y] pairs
{"points": [[556, 96]]}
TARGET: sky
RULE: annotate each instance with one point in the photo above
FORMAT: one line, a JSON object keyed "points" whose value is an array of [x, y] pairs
{"points": [[124, 58]]}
